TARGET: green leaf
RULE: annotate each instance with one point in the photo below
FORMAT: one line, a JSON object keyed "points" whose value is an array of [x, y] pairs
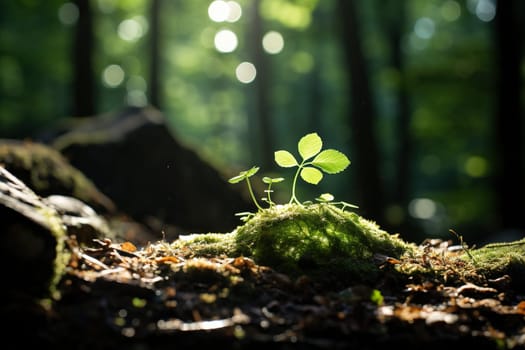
{"points": [[251, 172], [237, 179], [244, 175], [269, 180], [331, 161], [325, 197], [285, 159], [311, 175], [376, 297], [309, 145]]}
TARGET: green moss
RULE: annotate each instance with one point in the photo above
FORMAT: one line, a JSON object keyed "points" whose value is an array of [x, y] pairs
{"points": [[47, 172], [62, 257], [210, 244], [324, 241], [318, 239], [497, 259]]}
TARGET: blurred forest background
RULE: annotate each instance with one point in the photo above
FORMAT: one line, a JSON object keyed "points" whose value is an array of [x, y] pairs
{"points": [[424, 96]]}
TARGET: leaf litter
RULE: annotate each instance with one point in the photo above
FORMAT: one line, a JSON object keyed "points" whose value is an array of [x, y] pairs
{"points": [[116, 293]]}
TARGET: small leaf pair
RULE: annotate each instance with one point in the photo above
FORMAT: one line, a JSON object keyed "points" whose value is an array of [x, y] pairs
{"points": [[245, 175]]}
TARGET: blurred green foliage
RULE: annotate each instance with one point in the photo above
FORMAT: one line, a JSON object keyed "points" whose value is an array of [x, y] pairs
{"points": [[449, 75]]}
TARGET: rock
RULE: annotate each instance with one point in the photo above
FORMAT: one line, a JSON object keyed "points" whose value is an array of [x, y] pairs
{"points": [[32, 239], [135, 159], [34, 231], [85, 210], [80, 219], [47, 172]]}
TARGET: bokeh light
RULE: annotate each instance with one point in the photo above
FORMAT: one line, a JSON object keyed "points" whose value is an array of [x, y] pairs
{"points": [[225, 41], [245, 72], [131, 29], [422, 208], [218, 11], [476, 166], [224, 11], [113, 75], [302, 62], [136, 98], [235, 11], [273, 42], [136, 87], [486, 10], [450, 10], [424, 28], [68, 13]]}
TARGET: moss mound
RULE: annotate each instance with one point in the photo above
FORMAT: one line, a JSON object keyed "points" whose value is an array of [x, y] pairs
{"points": [[319, 239]]}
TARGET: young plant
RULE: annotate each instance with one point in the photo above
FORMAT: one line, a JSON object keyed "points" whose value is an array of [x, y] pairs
{"points": [[328, 198], [270, 181], [314, 162], [245, 175]]}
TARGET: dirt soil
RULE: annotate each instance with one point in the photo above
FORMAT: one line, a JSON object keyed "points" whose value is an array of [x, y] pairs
{"points": [[115, 295]]}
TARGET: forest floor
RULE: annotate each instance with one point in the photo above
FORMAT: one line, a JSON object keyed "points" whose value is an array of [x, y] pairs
{"points": [[115, 295]]}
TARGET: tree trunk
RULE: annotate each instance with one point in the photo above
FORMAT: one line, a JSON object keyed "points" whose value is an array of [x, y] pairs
{"points": [[369, 187], [263, 125], [510, 155], [83, 77], [316, 101], [392, 17], [154, 68]]}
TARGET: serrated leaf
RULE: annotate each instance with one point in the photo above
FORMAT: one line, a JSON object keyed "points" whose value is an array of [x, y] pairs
{"points": [[309, 145], [285, 159], [311, 175], [331, 161]]}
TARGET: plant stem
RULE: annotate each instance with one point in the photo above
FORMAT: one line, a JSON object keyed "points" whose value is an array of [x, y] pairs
{"points": [[268, 194], [294, 198], [252, 195]]}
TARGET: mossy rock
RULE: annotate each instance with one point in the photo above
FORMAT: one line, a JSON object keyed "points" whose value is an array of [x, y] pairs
{"points": [[32, 240], [47, 172], [320, 240]]}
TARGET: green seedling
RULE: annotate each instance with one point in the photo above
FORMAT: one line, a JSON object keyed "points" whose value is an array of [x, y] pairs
{"points": [[270, 181], [314, 161], [311, 170], [245, 175], [328, 198]]}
